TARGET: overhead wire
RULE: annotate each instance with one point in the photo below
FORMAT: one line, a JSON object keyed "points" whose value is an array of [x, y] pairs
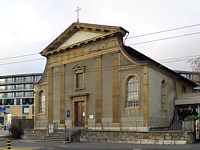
{"points": [[168, 30], [129, 38], [19, 56], [167, 38], [167, 60], [21, 61], [107, 68], [157, 32], [176, 59], [110, 68]]}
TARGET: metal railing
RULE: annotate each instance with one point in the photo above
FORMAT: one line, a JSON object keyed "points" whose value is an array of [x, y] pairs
{"points": [[122, 126], [139, 126]]}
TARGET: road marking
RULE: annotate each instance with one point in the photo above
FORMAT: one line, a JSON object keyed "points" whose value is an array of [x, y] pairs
{"points": [[64, 146], [45, 148]]}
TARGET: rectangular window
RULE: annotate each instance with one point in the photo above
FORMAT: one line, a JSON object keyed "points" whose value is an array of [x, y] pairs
{"points": [[2, 95], [2, 88], [18, 94], [18, 87], [37, 78], [8, 101], [24, 101], [1, 101], [9, 80], [9, 87], [9, 95], [5, 102], [19, 79], [18, 101], [2, 81], [28, 86], [7, 109], [25, 110], [79, 80], [28, 94], [28, 79], [30, 101], [11, 101]]}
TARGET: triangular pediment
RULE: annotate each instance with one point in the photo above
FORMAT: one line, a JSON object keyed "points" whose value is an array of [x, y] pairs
{"points": [[78, 67], [80, 36]]}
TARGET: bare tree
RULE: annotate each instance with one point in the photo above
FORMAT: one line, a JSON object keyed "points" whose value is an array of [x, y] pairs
{"points": [[195, 64]]}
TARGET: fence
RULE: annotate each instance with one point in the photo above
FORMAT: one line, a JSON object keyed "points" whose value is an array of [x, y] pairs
{"points": [[139, 126], [123, 126]]}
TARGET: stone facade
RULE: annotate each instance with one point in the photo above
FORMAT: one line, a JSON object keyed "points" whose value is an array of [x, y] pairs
{"points": [[166, 138], [158, 137], [86, 79], [35, 134]]}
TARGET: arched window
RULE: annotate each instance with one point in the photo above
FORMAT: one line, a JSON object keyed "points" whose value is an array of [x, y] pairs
{"points": [[41, 102], [132, 91], [163, 94], [183, 89]]}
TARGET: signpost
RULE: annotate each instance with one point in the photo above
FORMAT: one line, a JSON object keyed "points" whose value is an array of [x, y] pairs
{"points": [[68, 113]]}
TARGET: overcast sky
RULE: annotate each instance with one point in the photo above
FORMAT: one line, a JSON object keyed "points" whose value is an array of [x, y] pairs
{"points": [[28, 26]]}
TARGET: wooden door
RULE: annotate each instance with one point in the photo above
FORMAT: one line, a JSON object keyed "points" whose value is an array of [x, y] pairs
{"points": [[79, 114]]}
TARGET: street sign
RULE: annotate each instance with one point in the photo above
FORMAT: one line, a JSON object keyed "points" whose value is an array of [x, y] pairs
{"points": [[68, 113], [2, 109]]}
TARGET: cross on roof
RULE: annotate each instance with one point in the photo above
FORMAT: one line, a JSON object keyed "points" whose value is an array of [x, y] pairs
{"points": [[77, 11]]}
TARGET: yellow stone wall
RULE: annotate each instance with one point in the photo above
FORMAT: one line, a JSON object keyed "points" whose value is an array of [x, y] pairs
{"points": [[16, 110]]}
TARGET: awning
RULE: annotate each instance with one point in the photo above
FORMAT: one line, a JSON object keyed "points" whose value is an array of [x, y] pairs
{"points": [[187, 101]]}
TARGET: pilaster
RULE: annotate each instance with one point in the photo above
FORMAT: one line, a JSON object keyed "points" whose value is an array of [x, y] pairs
{"points": [[116, 89], [35, 105], [146, 94], [50, 95], [62, 94], [98, 91]]}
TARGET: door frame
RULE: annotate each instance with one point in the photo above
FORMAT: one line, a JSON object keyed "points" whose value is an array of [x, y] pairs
{"points": [[75, 100]]}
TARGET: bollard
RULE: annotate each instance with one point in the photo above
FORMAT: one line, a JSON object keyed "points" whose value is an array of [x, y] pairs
{"points": [[8, 144]]}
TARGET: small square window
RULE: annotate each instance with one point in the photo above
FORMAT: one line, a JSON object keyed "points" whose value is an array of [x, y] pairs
{"points": [[25, 110], [7, 109]]}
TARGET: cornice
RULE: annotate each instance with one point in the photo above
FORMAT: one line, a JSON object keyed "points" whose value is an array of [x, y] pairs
{"points": [[105, 29]]}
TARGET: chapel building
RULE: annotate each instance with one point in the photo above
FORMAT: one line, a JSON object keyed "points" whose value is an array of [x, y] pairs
{"points": [[92, 80]]}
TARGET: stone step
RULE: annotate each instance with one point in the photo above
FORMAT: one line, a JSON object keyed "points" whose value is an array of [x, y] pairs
{"points": [[57, 140], [61, 136], [55, 137]]}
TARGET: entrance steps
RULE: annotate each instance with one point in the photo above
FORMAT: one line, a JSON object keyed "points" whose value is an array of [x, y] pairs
{"points": [[61, 135], [57, 136]]}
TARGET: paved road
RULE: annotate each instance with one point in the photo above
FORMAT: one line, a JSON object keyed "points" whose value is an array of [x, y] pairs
{"points": [[95, 146]]}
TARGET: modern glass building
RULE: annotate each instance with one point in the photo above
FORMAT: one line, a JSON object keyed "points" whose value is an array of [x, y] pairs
{"points": [[17, 96]]}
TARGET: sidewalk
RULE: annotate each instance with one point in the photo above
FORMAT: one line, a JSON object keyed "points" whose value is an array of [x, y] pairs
{"points": [[4, 133], [19, 148]]}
